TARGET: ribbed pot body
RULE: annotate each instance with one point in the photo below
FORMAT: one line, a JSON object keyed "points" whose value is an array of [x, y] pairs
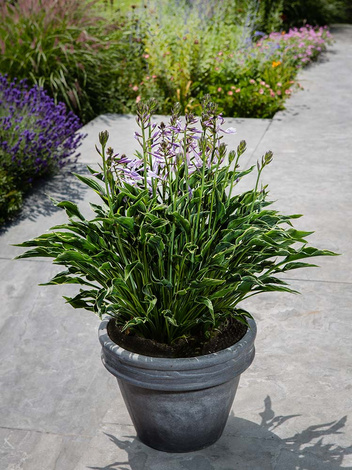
{"points": [[178, 405]]}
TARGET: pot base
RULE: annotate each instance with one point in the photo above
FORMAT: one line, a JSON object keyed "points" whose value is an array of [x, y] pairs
{"points": [[179, 421]]}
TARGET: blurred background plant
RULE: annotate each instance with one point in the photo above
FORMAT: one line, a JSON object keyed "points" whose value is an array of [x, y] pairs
{"points": [[37, 138], [99, 56], [59, 45], [179, 55], [315, 12]]}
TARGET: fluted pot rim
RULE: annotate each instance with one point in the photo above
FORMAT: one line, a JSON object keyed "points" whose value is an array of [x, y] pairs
{"points": [[240, 348]]}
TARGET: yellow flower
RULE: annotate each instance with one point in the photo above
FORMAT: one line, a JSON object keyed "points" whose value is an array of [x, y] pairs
{"points": [[275, 64]]}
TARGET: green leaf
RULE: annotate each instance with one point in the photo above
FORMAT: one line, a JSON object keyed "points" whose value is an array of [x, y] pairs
{"points": [[191, 247], [134, 322], [154, 242], [182, 222], [208, 303], [39, 252], [131, 267], [92, 184], [151, 304], [170, 318], [290, 266], [81, 299], [65, 277], [207, 282], [71, 209], [126, 222]]}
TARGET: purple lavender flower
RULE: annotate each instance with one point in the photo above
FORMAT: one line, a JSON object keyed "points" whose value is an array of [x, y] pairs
{"points": [[37, 136]]}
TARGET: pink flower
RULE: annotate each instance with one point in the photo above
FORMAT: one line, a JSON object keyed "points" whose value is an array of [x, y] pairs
{"points": [[272, 93], [252, 81], [146, 56], [238, 90], [288, 92], [279, 84], [138, 99], [219, 89], [230, 93], [261, 91], [154, 76], [262, 83], [147, 78], [278, 92], [135, 88]]}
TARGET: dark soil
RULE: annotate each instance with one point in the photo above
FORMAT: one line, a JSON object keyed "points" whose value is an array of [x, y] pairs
{"points": [[230, 333]]}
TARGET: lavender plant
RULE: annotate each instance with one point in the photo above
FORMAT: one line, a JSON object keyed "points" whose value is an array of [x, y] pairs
{"points": [[172, 250], [37, 138]]}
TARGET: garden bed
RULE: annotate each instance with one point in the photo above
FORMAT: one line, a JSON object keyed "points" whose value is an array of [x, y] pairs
{"points": [[99, 61]]}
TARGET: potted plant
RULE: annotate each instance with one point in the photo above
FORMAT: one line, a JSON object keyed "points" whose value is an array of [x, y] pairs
{"points": [[167, 261]]}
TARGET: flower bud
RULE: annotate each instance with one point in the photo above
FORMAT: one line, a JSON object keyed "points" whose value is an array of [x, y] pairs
{"points": [[268, 157], [241, 148], [103, 137], [232, 155]]}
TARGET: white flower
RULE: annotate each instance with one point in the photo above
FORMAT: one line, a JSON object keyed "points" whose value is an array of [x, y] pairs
{"points": [[229, 130]]}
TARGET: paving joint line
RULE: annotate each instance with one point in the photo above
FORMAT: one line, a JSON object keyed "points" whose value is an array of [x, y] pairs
{"points": [[320, 280], [261, 139], [86, 436]]}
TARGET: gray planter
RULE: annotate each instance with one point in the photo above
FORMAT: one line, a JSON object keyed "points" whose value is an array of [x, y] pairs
{"points": [[178, 405]]}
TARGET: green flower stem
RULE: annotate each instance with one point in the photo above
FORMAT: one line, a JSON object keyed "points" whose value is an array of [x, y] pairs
{"points": [[145, 157], [201, 190], [185, 161], [212, 199], [233, 179], [106, 181], [215, 139]]}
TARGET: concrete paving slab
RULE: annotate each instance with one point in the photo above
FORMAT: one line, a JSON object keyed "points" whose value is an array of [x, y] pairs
{"points": [[51, 370], [30, 450]]}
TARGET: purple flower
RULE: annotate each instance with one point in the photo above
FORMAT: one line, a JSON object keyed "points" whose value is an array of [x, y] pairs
{"points": [[40, 136]]}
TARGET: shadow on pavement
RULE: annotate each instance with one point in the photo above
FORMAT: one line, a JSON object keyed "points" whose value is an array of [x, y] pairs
{"points": [[63, 186], [256, 444]]}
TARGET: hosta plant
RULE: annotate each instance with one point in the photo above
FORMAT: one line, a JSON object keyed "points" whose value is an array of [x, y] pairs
{"points": [[173, 250]]}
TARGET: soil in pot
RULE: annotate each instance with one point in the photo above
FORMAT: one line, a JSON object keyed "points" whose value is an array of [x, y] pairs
{"points": [[227, 335]]}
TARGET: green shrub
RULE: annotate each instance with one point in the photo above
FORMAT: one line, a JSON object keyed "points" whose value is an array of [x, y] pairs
{"points": [[314, 12], [10, 196], [181, 51]]}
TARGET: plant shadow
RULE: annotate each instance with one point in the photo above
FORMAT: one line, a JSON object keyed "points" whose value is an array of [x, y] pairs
{"points": [[62, 186], [246, 446]]}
